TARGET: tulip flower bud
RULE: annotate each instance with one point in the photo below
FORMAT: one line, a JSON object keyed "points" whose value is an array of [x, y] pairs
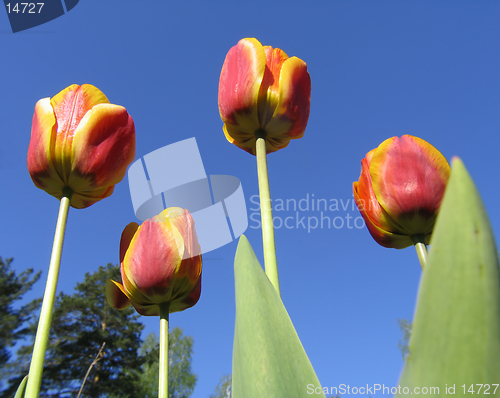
{"points": [[400, 189], [160, 262], [82, 142], [262, 91]]}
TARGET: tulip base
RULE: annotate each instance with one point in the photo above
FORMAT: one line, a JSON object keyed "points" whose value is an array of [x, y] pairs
{"points": [[163, 372], [266, 213], [42, 334]]}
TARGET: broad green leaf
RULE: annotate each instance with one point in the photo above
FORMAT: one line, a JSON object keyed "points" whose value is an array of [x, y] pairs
{"points": [[268, 357], [456, 329], [21, 388]]}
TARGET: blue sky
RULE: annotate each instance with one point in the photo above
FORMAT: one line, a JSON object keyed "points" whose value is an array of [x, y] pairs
{"points": [[378, 69]]}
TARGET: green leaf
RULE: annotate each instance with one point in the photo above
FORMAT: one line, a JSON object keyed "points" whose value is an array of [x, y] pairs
{"points": [[456, 330], [268, 357], [22, 388]]}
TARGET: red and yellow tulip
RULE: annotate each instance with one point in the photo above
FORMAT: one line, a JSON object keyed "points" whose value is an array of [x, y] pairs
{"points": [[263, 91], [400, 189], [82, 142], [160, 263]]}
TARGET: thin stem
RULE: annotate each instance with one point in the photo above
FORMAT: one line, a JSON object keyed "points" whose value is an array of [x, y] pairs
{"points": [[163, 375], [96, 359], [42, 334], [266, 214], [419, 242]]}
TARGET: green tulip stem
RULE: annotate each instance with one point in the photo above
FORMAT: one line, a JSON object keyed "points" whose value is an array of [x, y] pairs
{"points": [[163, 375], [42, 334], [419, 242], [266, 213]]}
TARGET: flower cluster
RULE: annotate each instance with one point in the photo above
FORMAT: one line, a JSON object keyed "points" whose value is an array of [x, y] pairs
{"points": [[81, 146]]}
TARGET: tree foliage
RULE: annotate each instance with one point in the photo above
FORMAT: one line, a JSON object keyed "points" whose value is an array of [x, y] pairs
{"points": [[81, 323], [181, 379], [12, 289], [223, 389], [403, 344]]}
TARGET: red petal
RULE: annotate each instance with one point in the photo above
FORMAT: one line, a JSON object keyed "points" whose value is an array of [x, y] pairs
{"points": [[239, 84], [153, 259], [409, 178], [103, 147], [292, 112]]}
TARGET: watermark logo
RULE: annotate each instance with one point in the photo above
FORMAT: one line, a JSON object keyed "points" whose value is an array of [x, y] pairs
{"points": [[27, 15], [174, 176], [309, 213]]}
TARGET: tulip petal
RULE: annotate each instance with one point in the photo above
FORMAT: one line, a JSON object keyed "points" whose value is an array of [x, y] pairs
{"points": [[116, 296], [239, 85], [382, 236], [103, 147], [290, 117], [183, 221], [239, 138], [247, 141], [183, 297], [270, 88], [70, 106], [190, 267], [40, 154], [127, 235], [132, 291], [152, 260], [169, 219], [375, 217], [147, 309], [273, 144], [366, 200], [409, 178], [188, 301]]}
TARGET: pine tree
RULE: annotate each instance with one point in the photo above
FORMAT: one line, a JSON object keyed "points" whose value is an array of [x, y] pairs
{"points": [[12, 288]]}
